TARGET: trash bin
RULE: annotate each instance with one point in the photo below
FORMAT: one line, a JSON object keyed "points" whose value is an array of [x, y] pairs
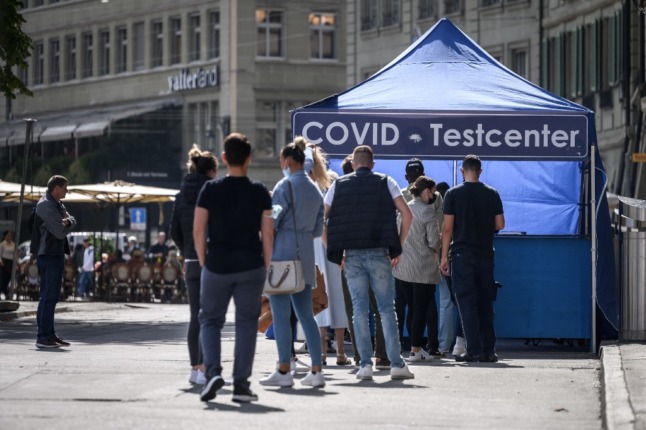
{"points": [[631, 228]]}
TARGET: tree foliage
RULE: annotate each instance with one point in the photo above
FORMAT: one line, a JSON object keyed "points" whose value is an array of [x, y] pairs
{"points": [[15, 48]]}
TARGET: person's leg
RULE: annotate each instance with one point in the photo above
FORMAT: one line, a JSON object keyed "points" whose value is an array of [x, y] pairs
{"points": [[193, 292], [358, 285], [419, 300], [446, 311], [303, 307], [51, 277], [427, 292], [486, 293], [463, 281], [246, 296], [380, 343], [323, 336], [348, 310], [401, 302], [215, 293], [281, 309], [383, 285]]}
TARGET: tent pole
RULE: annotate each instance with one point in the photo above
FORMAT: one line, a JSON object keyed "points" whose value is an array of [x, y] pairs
{"points": [[593, 220]]}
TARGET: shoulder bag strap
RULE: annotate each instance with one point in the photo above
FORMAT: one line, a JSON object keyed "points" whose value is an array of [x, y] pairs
{"points": [[291, 200]]}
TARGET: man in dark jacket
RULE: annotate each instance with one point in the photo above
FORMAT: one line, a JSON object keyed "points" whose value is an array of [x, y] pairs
{"points": [[49, 242]]}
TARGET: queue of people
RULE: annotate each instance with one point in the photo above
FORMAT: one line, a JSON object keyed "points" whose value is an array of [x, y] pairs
{"points": [[383, 250]]}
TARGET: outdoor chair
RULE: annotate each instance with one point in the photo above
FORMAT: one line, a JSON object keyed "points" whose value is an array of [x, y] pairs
{"points": [[69, 281], [120, 284], [142, 287]]}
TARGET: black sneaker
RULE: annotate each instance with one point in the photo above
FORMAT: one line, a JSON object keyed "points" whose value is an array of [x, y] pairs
{"points": [[490, 358], [468, 358], [47, 342], [382, 364], [243, 395], [211, 387], [61, 342]]}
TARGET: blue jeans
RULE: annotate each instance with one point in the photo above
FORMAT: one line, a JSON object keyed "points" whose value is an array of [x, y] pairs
{"points": [[370, 268], [280, 313], [446, 311], [473, 284], [215, 294], [51, 279], [86, 279]]}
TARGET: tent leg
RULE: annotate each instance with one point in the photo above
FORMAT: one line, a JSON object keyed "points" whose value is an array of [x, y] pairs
{"points": [[593, 219]]}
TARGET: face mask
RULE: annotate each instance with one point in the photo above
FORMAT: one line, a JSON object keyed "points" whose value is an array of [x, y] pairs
{"points": [[286, 172], [432, 199]]}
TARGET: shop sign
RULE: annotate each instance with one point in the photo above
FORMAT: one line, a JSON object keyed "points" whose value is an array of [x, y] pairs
{"points": [[189, 80]]}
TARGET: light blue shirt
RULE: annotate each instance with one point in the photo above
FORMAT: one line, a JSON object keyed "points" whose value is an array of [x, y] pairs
{"points": [[308, 205]]}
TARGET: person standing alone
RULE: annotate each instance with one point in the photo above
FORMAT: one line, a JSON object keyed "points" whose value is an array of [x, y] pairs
{"points": [[49, 243], [473, 213], [86, 275]]}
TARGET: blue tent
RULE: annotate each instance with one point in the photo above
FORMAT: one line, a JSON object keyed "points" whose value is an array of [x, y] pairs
{"points": [[445, 97]]}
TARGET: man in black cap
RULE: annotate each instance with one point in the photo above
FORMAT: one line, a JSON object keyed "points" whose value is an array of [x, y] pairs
{"points": [[414, 169]]}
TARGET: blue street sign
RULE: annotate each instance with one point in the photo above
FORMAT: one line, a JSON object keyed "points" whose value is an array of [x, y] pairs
{"points": [[138, 218]]}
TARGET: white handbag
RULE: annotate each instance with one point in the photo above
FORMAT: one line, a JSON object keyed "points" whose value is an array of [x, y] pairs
{"points": [[286, 277]]}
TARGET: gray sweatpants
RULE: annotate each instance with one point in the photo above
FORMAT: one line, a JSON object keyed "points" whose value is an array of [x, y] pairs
{"points": [[215, 293]]}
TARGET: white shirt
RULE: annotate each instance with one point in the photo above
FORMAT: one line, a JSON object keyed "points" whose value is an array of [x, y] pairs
{"points": [[6, 250], [88, 259], [393, 187]]}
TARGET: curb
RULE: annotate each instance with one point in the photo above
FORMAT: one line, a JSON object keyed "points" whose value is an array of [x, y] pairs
{"points": [[60, 308], [616, 411]]}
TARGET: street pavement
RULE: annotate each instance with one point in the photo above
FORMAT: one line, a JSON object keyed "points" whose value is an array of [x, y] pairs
{"points": [[128, 368]]}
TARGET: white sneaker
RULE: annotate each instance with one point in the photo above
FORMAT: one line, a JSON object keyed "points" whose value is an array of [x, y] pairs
{"points": [[277, 379], [401, 372], [460, 346], [193, 378], [314, 379], [420, 355], [303, 349], [365, 373], [200, 379]]}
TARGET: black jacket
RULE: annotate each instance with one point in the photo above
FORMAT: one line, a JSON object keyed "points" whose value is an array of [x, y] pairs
{"points": [[181, 225]]}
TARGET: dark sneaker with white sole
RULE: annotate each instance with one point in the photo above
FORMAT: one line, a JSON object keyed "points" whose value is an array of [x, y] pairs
{"points": [[47, 342], [211, 388], [61, 342], [243, 395]]}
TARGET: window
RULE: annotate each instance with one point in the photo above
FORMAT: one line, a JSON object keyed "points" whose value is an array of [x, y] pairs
{"points": [[70, 58], [138, 46], [87, 69], [214, 34], [104, 52], [23, 75], [486, 3], [452, 6], [39, 62], [270, 33], [175, 40], [121, 63], [590, 71], [322, 36], [519, 61], [390, 13], [194, 37], [426, 9], [157, 44], [54, 61], [369, 9]]}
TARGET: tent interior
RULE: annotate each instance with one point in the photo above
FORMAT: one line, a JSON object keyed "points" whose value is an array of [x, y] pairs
{"points": [[445, 97]]}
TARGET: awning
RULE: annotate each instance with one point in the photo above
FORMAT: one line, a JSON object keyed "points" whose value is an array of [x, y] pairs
{"points": [[90, 129], [63, 132]]}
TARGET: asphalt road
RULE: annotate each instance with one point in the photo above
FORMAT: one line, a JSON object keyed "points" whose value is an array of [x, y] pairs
{"points": [[127, 368]]}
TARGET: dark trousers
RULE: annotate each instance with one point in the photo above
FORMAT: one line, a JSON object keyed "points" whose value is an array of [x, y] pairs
{"points": [[380, 343], [5, 277], [216, 291], [403, 317], [192, 276], [422, 306], [473, 283], [51, 279]]}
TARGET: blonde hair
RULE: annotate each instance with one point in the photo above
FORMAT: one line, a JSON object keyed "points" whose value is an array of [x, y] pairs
{"points": [[192, 153], [319, 163]]}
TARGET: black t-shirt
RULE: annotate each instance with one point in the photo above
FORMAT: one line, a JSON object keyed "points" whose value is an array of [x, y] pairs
{"points": [[235, 206], [474, 206]]}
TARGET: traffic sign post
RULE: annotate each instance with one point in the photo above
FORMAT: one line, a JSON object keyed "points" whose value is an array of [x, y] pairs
{"points": [[138, 219]]}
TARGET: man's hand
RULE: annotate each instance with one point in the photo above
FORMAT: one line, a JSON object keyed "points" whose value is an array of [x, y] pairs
{"points": [[444, 266]]}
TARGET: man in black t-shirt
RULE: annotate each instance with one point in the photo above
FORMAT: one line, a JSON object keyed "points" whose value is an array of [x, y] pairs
{"points": [[472, 215], [237, 214]]}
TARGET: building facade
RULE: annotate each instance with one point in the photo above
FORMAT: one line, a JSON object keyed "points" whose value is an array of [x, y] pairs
{"points": [[123, 89]]}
